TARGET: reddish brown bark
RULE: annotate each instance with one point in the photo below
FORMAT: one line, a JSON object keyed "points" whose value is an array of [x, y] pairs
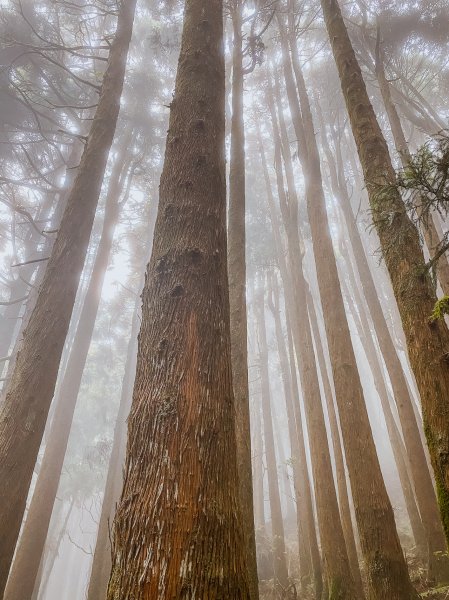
{"points": [[177, 531]]}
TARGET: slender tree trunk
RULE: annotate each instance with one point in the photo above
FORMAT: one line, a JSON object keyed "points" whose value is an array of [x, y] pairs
{"points": [[177, 530], [418, 462], [298, 482], [336, 562], [32, 541], [281, 580], [237, 298], [24, 412], [385, 563], [427, 343], [399, 451], [342, 483], [43, 587], [101, 565], [306, 514]]}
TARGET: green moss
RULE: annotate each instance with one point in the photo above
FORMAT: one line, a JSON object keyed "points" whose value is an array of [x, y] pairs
{"points": [[440, 309]]}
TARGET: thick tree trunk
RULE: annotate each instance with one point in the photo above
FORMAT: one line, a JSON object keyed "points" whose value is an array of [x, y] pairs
{"points": [[428, 343], [237, 298], [32, 540], [177, 530], [281, 580], [385, 563], [24, 412]]}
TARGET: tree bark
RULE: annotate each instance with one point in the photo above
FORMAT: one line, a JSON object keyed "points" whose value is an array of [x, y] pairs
{"points": [[177, 530], [427, 343], [24, 412], [237, 298]]}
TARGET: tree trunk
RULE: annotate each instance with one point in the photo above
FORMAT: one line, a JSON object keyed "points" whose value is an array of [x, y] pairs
{"points": [[385, 563], [305, 509], [101, 564], [237, 298], [342, 483], [427, 223], [398, 448], [412, 437], [32, 540], [335, 558], [24, 412], [428, 343], [177, 530], [281, 581]]}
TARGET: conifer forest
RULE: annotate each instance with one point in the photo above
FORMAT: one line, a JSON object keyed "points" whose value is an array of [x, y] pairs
{"points": [[224, 299]]}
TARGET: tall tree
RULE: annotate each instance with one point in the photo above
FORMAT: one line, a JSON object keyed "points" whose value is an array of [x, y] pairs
{"points": [[30, 391], [32, 540], [427, 343], [237, 295], [181, 464], [281, 580]]}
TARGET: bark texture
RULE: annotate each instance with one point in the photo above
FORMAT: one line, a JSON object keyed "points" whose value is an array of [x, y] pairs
{"points": [[25, 410], [427, 343], [177, 531]]}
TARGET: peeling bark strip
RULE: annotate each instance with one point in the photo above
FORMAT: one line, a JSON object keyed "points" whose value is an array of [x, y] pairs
{"points": [[177, 531], [427, 343], [32, 384]]}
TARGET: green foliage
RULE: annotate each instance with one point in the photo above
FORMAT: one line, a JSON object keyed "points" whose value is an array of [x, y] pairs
{"points": [[440, 309], [425, 180]]}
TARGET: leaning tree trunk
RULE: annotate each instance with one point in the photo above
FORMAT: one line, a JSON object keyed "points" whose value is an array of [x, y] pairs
{"points": [[335, 558], [34, 533], [412, 437], [177, 530], [427, 222], [385, 563], [24, 412], [427, 343], [237, 298]]}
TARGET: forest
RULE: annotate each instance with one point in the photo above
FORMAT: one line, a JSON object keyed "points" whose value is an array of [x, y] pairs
{"points": [[224, 300]]}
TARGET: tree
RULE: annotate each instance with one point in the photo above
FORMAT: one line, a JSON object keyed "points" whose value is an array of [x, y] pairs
{"points": [[181, 465], [237, 295], [427, 343], [30, 391]]}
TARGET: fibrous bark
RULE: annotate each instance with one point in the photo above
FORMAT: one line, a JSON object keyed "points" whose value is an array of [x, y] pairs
{"points": [[177, 531]]}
